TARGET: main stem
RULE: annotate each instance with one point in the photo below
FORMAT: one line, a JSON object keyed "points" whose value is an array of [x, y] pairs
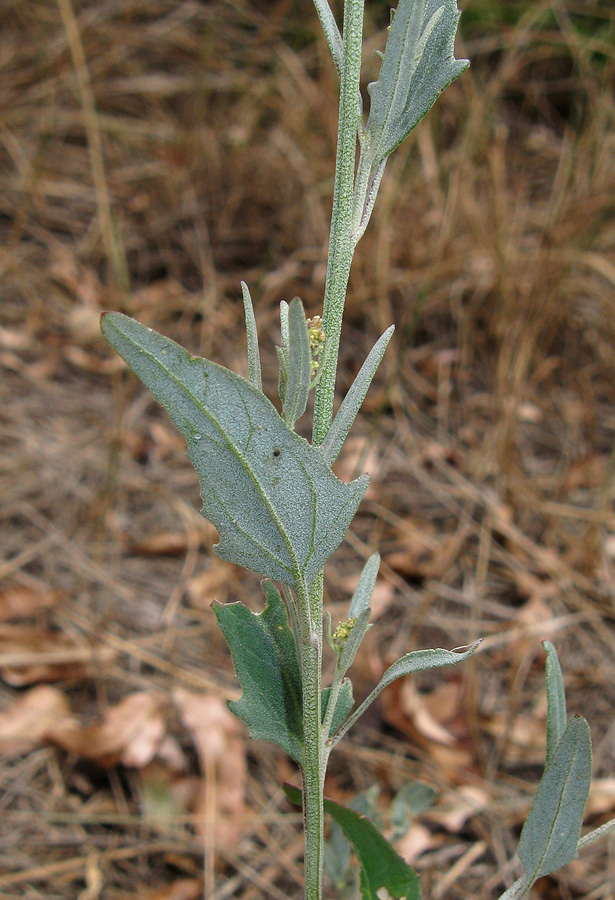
{"points": [[313, 769], [341, 248]]}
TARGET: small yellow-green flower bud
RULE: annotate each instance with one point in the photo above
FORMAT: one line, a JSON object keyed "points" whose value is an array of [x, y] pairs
{"points": [[317, 336], [343, 632]]}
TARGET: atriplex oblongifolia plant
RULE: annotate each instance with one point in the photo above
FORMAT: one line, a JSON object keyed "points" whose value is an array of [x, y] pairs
{"points": [[281, 512]]}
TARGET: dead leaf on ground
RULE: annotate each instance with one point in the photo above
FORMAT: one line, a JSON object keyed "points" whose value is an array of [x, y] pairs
{"points": [[30, 654], [360, 455], [131, 732], [423, 554], [20, 602], [183, 889], [525, 736], [25, 723], [416, 841], [218, 737], [458, 806], [217, 582], [431, 721], [601, 797], [589, 471], [165, 543]]}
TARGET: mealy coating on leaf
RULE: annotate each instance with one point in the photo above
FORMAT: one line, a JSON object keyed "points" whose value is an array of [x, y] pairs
{"points": [[418, 64], [278, 507]]}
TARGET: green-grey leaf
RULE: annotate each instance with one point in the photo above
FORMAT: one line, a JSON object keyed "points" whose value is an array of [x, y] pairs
{"points": [[381, 866], [365, 588], [351, 404], [299, 369], [278, 507], [265, 660], [557, 716], [413, 799], [332, 33], [345, 702], [417, 661], [254, 359], [418, 64], [551, 832], [283, 374], [284, 326]]}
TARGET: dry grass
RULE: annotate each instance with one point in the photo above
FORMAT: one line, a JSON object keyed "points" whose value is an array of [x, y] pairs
{"points": [[152, 154]]}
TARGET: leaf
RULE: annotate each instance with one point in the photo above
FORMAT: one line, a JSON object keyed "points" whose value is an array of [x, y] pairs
{"points": [[351, 404], [254, 359], [278, 507], [365, 588], [417, 661], [17, 601], [345, 702], [556, 701], [27, 720], [131, 732], [418, 64], [332, 33], [265, 660], [283, 373], [299, 369], [381, 866], [551, 832], [410, 801], [221, 748]]}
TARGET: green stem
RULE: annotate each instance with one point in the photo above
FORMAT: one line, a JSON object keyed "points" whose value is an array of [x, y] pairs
{"points": [[313, 768], [340, 243], [341, 248]]}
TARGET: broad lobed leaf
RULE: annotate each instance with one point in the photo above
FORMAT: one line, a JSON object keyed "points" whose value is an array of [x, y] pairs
{"points": [[381, 866], [278, 507], [263, 650]]}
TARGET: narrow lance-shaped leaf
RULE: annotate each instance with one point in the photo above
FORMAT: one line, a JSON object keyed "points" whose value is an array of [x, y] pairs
{"points": [[351, 404], [278, 507], [299, 364], [551, 832], [331, 31], [265, 658], [254, 358], [557, 717], [380, 864], [418, 64], [417, 661], [365, 588], [282, 352]]}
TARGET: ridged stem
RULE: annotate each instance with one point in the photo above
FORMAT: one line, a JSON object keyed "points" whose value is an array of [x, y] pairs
{"points": [[341, 245]]}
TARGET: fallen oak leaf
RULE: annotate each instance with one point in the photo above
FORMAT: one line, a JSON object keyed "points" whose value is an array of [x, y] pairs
{"points": [[130, 733], [25, 723], [217, 735]]}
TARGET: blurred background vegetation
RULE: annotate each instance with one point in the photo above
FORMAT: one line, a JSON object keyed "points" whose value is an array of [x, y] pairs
{"points": [[152, 155]]}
